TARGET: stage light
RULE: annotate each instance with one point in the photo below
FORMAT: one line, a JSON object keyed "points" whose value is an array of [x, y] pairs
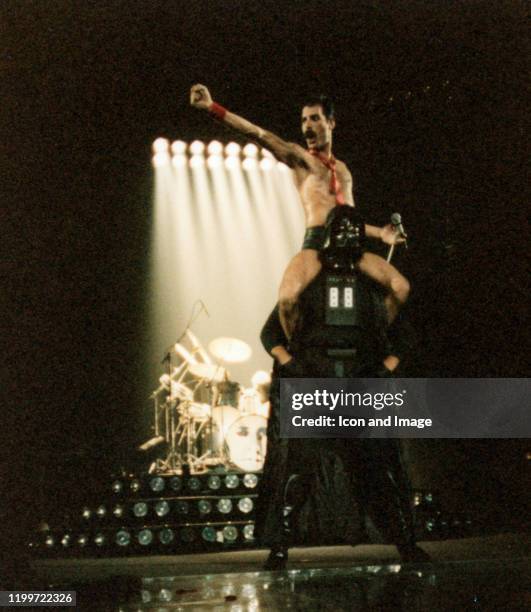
{"points": [[99, 539], [197, 161], [250, 481], [165, 595], [86, 513], [123, 538], [214, 482], [194, 212], [187, 535], [82, 540], [176, 483], [214, 161], [66, 540], [101, 511], [215, 148], [267, 153], [178, 147], [135, 485], [209, 534], [224, 505], [162, 508], [157, 484], [248, 532], [417, 499], [145, 537], [179, 161], [204, 506], [249, 163], [118, 510], [232, 149], [245, 505], [428, 498], [161, 159], [166, 535], [230, 533], [182, 506], [283, 168], [250, 150], [161, 145], [197, 147], [232, 481], [266, 164], [430, 525], [140, 509], [194, 484], [231, 163], [49, 541], [117, 486]]}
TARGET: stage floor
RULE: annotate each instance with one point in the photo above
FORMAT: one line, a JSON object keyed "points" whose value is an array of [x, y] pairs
{"points": [[490, 573]]}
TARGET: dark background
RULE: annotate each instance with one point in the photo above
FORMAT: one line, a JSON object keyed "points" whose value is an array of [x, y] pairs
{"points": [[430, 113]]}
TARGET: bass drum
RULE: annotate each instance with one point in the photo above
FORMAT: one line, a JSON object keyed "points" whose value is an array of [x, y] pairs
{"points": [[247, 442]]}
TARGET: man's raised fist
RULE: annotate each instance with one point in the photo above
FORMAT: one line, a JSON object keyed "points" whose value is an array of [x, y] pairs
{"points": [[200, 97]]}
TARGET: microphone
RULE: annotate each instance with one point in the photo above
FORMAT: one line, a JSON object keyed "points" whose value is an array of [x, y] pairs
{"points": [[396, 222]]}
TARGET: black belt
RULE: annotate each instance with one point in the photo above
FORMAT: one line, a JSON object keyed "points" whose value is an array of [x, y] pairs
{"points": [[314, 237]]}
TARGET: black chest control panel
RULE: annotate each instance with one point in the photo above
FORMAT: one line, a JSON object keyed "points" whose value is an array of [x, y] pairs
{"points": [[341, 300]]}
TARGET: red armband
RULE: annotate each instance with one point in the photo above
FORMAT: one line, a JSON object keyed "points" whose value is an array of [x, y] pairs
{"points": [[217, 111]]}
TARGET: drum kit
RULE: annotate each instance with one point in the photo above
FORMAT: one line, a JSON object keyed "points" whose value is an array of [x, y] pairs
{"points": [[206, 419]]}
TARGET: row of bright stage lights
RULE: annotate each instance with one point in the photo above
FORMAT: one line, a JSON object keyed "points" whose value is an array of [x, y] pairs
{"points": [[151, 536], [151, 514], [158, 484], [179, 154], [202, 507]]}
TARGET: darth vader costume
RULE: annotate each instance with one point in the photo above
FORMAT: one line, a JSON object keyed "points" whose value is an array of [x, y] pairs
{"points": [[329, 491]]}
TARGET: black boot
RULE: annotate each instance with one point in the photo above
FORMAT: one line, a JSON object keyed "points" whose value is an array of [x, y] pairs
{"points": [[277, 560], [278, 556]]}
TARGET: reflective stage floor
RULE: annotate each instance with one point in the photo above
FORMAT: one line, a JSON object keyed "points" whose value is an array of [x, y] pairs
{"points": [[490, 573]]}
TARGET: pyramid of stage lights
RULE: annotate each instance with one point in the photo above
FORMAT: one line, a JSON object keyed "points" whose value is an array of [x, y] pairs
{"points": [[159, 514]]}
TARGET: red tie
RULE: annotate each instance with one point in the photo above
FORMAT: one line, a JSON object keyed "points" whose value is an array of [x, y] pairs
{"points": [[335, 186]]}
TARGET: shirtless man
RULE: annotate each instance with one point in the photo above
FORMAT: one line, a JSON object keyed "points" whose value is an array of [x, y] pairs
{"points": [[322, 182]]}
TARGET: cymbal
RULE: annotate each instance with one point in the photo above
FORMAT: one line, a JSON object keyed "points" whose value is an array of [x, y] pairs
{"points": [[210, 371], [230, 349]]}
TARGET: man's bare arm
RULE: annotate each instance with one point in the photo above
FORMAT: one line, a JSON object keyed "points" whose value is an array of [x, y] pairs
{"points": [[291, 154], [387, 233]]}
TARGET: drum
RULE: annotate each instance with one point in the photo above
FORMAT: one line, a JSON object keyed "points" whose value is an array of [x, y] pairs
{"points": [[249, 401], [198, 412], [228, 393], [247, 441], [222, 419]]}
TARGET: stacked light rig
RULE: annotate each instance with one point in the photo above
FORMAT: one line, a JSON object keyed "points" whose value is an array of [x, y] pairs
{"points": [[154, 514]]}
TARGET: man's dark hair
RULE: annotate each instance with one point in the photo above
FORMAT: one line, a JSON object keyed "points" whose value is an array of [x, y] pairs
{"points": [[325, 102]]}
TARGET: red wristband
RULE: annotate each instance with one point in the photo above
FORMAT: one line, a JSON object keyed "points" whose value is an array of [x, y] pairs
{"points": [[217, 111]]}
